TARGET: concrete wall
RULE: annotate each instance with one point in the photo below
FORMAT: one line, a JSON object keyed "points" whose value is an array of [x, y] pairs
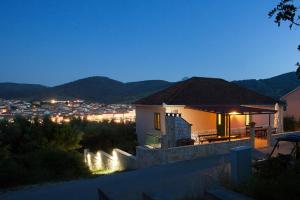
{"points": [[118, 161], [148, 157], [126, 161], [98, 161], [145, 121], [293, 103]]}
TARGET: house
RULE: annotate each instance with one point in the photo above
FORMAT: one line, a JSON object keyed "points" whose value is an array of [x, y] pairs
{"points": [[201, 108], [292, 100]]}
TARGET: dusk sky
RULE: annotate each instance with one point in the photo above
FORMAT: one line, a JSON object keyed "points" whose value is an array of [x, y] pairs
{"points": [[56, 41]]}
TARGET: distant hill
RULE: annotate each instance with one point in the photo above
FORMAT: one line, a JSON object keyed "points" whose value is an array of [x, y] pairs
{"points": [[20, 90], [274, 87], [106, 90], [98, 88]]}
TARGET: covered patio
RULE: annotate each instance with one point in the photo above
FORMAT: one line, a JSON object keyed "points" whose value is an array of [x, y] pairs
{"points": [[226, 115]]}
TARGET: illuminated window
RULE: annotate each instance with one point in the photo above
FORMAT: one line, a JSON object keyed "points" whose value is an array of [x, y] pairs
{"points": [[247, 120], [157, 124], [219, 119]]}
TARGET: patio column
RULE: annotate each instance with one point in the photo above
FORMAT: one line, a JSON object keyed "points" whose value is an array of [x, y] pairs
{"points": [[269, 136], [252, 134], [278, 118], [229, 127]]}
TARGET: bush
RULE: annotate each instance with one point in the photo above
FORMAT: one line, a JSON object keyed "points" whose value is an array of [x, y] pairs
{"points": [[107, 135], [34, 152], [291, 124], [274, 180], [40, 166]]}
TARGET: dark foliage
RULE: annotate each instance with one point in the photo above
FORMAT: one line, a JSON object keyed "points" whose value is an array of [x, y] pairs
{"points": [[276, 179], [107, 135], [291, 124], [287, 11], [40, 166], [33, 152]]}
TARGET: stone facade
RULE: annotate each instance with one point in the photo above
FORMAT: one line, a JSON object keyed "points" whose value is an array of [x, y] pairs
{"points": [[176, 128], [148, 157]]}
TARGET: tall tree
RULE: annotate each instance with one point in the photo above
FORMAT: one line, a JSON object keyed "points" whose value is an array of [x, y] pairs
{"points": [[287, 11]]}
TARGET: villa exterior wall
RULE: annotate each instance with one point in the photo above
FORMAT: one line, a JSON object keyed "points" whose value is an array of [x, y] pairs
{"points": [[263, 119], [293, 104], [145, 121], [201, 121], [237, 121]]}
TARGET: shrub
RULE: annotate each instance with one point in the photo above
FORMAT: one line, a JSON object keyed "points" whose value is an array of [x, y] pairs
{"points": [[290, 123], [40, 166], [275, 180]]}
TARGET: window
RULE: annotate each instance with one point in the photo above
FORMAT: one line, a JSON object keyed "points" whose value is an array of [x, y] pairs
{"points": [[157, 124]]}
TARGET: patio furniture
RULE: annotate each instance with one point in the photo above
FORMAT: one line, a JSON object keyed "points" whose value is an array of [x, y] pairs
{"points": [[184, 142], [260, 131], [295, 139]]}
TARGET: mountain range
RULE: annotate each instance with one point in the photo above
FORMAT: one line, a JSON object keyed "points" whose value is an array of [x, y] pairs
{"points": [[105, 90]]}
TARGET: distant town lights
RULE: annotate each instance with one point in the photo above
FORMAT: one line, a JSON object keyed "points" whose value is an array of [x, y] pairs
{"points": [[53, 101]]}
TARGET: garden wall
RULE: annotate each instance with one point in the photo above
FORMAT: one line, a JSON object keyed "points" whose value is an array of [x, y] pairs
{"points": [[118, 161], [148, 157]]}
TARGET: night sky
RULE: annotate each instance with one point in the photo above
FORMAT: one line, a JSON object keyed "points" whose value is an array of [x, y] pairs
{"points": [[56, 41]]}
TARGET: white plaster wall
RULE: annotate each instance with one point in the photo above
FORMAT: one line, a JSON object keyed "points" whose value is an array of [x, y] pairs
{"points": [[293, 104], [201, 121], [263, 119], [145, 121], [237, 121]]}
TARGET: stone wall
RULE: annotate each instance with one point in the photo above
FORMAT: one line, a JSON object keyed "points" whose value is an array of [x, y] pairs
{"points": [[176, 128], [148, 157]]}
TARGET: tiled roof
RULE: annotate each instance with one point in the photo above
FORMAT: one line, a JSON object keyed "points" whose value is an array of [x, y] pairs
{"points": [[206, 91]]}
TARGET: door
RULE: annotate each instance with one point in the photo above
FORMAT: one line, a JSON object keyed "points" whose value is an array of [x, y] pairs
{"points": [[223, 125]]}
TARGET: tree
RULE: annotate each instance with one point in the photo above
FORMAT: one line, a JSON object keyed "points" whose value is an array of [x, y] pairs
{"points": [[287, 11]]}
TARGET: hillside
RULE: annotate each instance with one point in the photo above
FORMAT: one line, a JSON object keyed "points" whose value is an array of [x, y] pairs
{"points": [[106, 90], [275, 87], [98, 88], [20, 90]]}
